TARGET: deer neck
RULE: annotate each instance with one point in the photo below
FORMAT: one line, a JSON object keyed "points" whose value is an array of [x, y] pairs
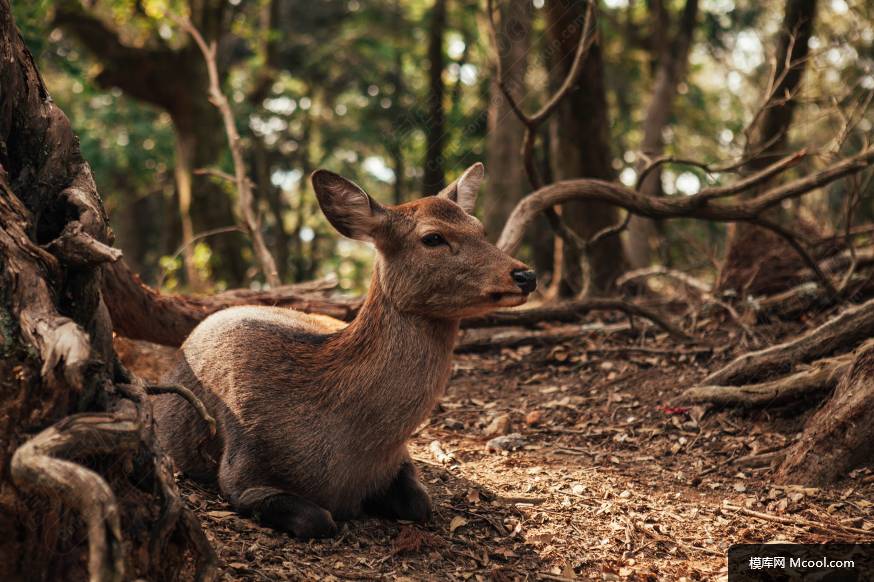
{"points": [[395, 363]]}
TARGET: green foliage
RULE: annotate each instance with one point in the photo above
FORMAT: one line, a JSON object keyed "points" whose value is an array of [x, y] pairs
{"points": [[346, 89]]}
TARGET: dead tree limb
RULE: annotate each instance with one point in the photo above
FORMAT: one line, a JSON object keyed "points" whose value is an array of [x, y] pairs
{"points": [[250, 217], [699, 206], [841, 333], [571, 311]]}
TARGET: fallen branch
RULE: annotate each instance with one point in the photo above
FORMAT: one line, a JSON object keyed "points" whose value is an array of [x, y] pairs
{"points": [[478, 342], [571, 311], [799, 521], [658, 271]]}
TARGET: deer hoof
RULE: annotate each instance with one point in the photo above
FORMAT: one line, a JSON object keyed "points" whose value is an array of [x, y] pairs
{"points": [[299, 517]]}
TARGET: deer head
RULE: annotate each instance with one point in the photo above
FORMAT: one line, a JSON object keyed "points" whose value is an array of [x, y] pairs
{"points": [[433, 256]]}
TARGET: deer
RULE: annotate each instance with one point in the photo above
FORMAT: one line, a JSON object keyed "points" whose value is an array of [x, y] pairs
{"points": [[313, 415]]}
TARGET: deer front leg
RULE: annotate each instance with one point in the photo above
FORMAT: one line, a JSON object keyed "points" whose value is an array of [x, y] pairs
{"points": [[285, 511], [405, 498]]}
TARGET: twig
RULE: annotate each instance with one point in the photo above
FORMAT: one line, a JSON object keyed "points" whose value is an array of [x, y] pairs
{"points": [[188, 395], [799, 521]]}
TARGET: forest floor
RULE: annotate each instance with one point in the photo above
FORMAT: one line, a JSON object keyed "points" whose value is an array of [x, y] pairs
{"points": [[607, 480]]}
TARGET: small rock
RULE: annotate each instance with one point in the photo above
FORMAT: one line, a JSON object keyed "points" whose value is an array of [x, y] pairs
{"points": [[509, 442], [500, 425]]}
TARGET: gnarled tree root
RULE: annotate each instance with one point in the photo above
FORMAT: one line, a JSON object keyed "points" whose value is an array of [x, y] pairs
{"points": [[837, 438], [821, 376], [39, 466], [840, 333]]}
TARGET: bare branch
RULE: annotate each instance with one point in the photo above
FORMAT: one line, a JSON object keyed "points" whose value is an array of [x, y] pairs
{"points": [[188, 395], [243, 185]]}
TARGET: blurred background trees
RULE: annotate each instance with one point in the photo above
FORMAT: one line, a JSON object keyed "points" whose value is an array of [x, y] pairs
{"points": [[400, 95]]}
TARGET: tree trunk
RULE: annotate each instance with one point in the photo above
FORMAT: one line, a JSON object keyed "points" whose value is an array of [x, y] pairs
{"points": [[507, 183], [435, 125], [580, 144], [766, 142], [838, 437], [84, 490], [672, 62]]}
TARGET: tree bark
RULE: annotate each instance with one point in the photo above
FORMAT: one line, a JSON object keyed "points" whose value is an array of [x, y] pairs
{"points": [[84, 490], [435, 125], [672, 62], [838, 437], [580, 146]]}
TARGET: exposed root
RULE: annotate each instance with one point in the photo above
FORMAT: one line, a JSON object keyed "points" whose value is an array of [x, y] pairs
{"points": [[840, 333], [207, 561], [822, 375], [36, 467], [837, 438]]}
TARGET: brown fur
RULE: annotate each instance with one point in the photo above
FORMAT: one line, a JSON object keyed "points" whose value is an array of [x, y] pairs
{"points": [[322, 411]]}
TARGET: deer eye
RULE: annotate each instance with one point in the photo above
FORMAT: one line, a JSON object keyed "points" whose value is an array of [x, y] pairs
{"points": [[433, 240]]}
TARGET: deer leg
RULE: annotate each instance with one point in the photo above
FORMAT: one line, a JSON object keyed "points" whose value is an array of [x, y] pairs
{"points": [[285, 511], [271, 506], [405, 498]]}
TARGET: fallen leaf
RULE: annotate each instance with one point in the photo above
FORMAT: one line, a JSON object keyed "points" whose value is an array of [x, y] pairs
{"points": [[456, 523]]}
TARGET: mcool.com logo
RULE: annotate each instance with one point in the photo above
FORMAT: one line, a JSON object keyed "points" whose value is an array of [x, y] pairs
{"points": [[773, 562]]}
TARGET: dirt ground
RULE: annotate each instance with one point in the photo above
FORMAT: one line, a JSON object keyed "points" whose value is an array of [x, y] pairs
{"points": [[605, 480]]}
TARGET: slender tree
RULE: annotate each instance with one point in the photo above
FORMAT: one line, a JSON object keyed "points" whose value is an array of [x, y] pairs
{"points": [[672, 60], [580, 144], [435, 123], [767, 137], [175, 80], [507, 183]]}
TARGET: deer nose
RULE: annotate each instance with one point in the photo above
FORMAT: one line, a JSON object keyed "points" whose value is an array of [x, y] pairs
{"points": [[526, 279]]}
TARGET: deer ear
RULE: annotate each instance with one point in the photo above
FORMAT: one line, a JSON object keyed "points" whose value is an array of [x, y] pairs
{"points": [[464, 189], [346, 206]]}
